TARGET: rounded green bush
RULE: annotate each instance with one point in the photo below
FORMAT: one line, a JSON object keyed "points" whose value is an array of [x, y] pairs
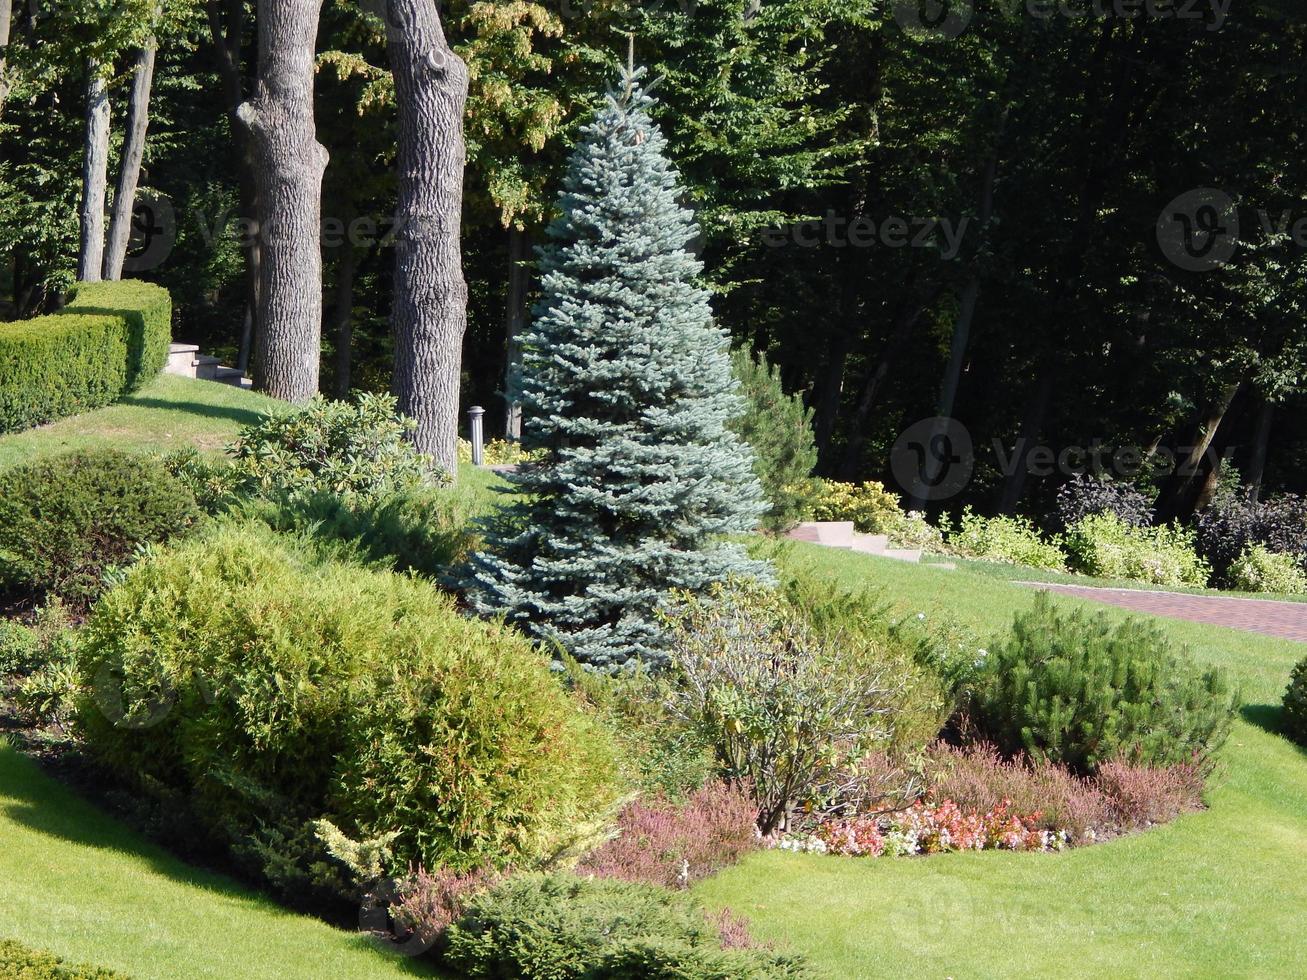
{"points": [[1259, 569], [1295, 704], [67, 519], [1076, 689], [20, 962], [1106, 546], [276, 690]]}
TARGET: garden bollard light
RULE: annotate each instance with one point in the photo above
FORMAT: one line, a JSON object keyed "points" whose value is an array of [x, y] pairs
{"points": [[474, 415]]}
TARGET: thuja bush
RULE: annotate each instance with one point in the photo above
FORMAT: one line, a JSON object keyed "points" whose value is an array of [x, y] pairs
{"points": [[778, 427], [1295, 704], [871, 508], [1085, 495], [299, 705], [1234, 522], [1007, 539], [1080, 690], [1106, 546], [563, 927], [20, 962], [66, 520], [1261, 570], [675, 843]]}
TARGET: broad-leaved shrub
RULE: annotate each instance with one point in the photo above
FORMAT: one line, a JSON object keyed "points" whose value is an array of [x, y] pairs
{"points": [[1105, 546], [1261, 570], [1013, 540]]}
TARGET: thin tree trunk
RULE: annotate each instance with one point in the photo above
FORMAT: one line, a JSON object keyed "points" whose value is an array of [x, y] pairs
{"points": [[341, 324], [124, 199], [6, 24], [430, 300], [226, 27], [1014, 486], [1261, 443], [1185, 486], [95, 175], [515, 314], [289, 164]]}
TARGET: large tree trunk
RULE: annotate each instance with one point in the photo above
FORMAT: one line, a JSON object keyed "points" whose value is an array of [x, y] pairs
{"points": [[289, 164], [515, 315], [95, 175], [6, 23], [430, 301], [226, 28], [124, 199], [1183, 490]]}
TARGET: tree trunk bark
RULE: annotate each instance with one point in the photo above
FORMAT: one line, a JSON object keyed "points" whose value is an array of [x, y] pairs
{"points": [[1179, 499], [6, 24], [1256, 474], [124, 199], [430, 301], [95, 175], [289, 164], [515, 315]]}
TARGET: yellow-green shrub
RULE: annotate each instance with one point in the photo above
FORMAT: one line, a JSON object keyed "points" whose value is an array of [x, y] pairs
{"points": [[870, 507], [1259, 569], [1106, 546], [272, 690], [111, 339], [1007, 539]]}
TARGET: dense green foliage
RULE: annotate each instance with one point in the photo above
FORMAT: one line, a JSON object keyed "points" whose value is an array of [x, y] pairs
{"points": [[1295, 704], [67, 519], [1079, 690], [108, 341], [271, 691], [18, 962], [626, 390], [351, 450], [1007, 539], [1106, 546], [1261, 570], [778, 428], [573, 929], [790, 709]]}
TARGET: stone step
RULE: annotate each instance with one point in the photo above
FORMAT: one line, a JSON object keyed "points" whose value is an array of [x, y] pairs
{"points": [[904, 554], [206, 367], [871, 544], [181, 360], [232, 376], [833, 534]]}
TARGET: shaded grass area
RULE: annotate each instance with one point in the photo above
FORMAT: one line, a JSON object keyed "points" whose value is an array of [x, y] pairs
{"points": [[83, 886], [168, 413], [1216, 894]]}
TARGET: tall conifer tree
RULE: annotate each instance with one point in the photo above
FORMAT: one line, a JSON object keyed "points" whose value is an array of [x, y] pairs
{"points": [[626, 391]]}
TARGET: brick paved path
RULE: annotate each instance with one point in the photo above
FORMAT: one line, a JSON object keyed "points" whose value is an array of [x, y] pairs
{"points": [[1286, 620]]}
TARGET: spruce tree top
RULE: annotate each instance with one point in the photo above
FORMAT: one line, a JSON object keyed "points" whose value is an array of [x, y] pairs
{"points": [[626, 391]]}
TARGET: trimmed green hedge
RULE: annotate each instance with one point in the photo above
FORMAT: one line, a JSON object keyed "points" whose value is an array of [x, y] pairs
{"points": [[110, 339]]}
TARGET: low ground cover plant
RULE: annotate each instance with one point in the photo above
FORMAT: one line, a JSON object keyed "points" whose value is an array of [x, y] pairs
{"points": [[1072, 688], [564, 927], [19, 962], [67, 519], [1105, 546], [1007, 539], [309, 710], [674, 843], [1259, 569]]}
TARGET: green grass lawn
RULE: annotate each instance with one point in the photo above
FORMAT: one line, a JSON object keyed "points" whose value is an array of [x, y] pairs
{"points": [[169, 413], [79, 884], [1217, 894]]}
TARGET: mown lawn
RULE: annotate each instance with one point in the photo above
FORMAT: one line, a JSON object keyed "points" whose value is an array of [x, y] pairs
{"points": [[1217, 894], [169, 413], [80, 884]]}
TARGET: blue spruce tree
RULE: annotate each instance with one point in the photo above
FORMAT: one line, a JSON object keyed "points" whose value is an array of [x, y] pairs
{"points": [[626, 391]]}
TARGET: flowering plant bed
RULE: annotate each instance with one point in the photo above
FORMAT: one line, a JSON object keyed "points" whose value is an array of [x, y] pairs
{"points": [[927, 828]]}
